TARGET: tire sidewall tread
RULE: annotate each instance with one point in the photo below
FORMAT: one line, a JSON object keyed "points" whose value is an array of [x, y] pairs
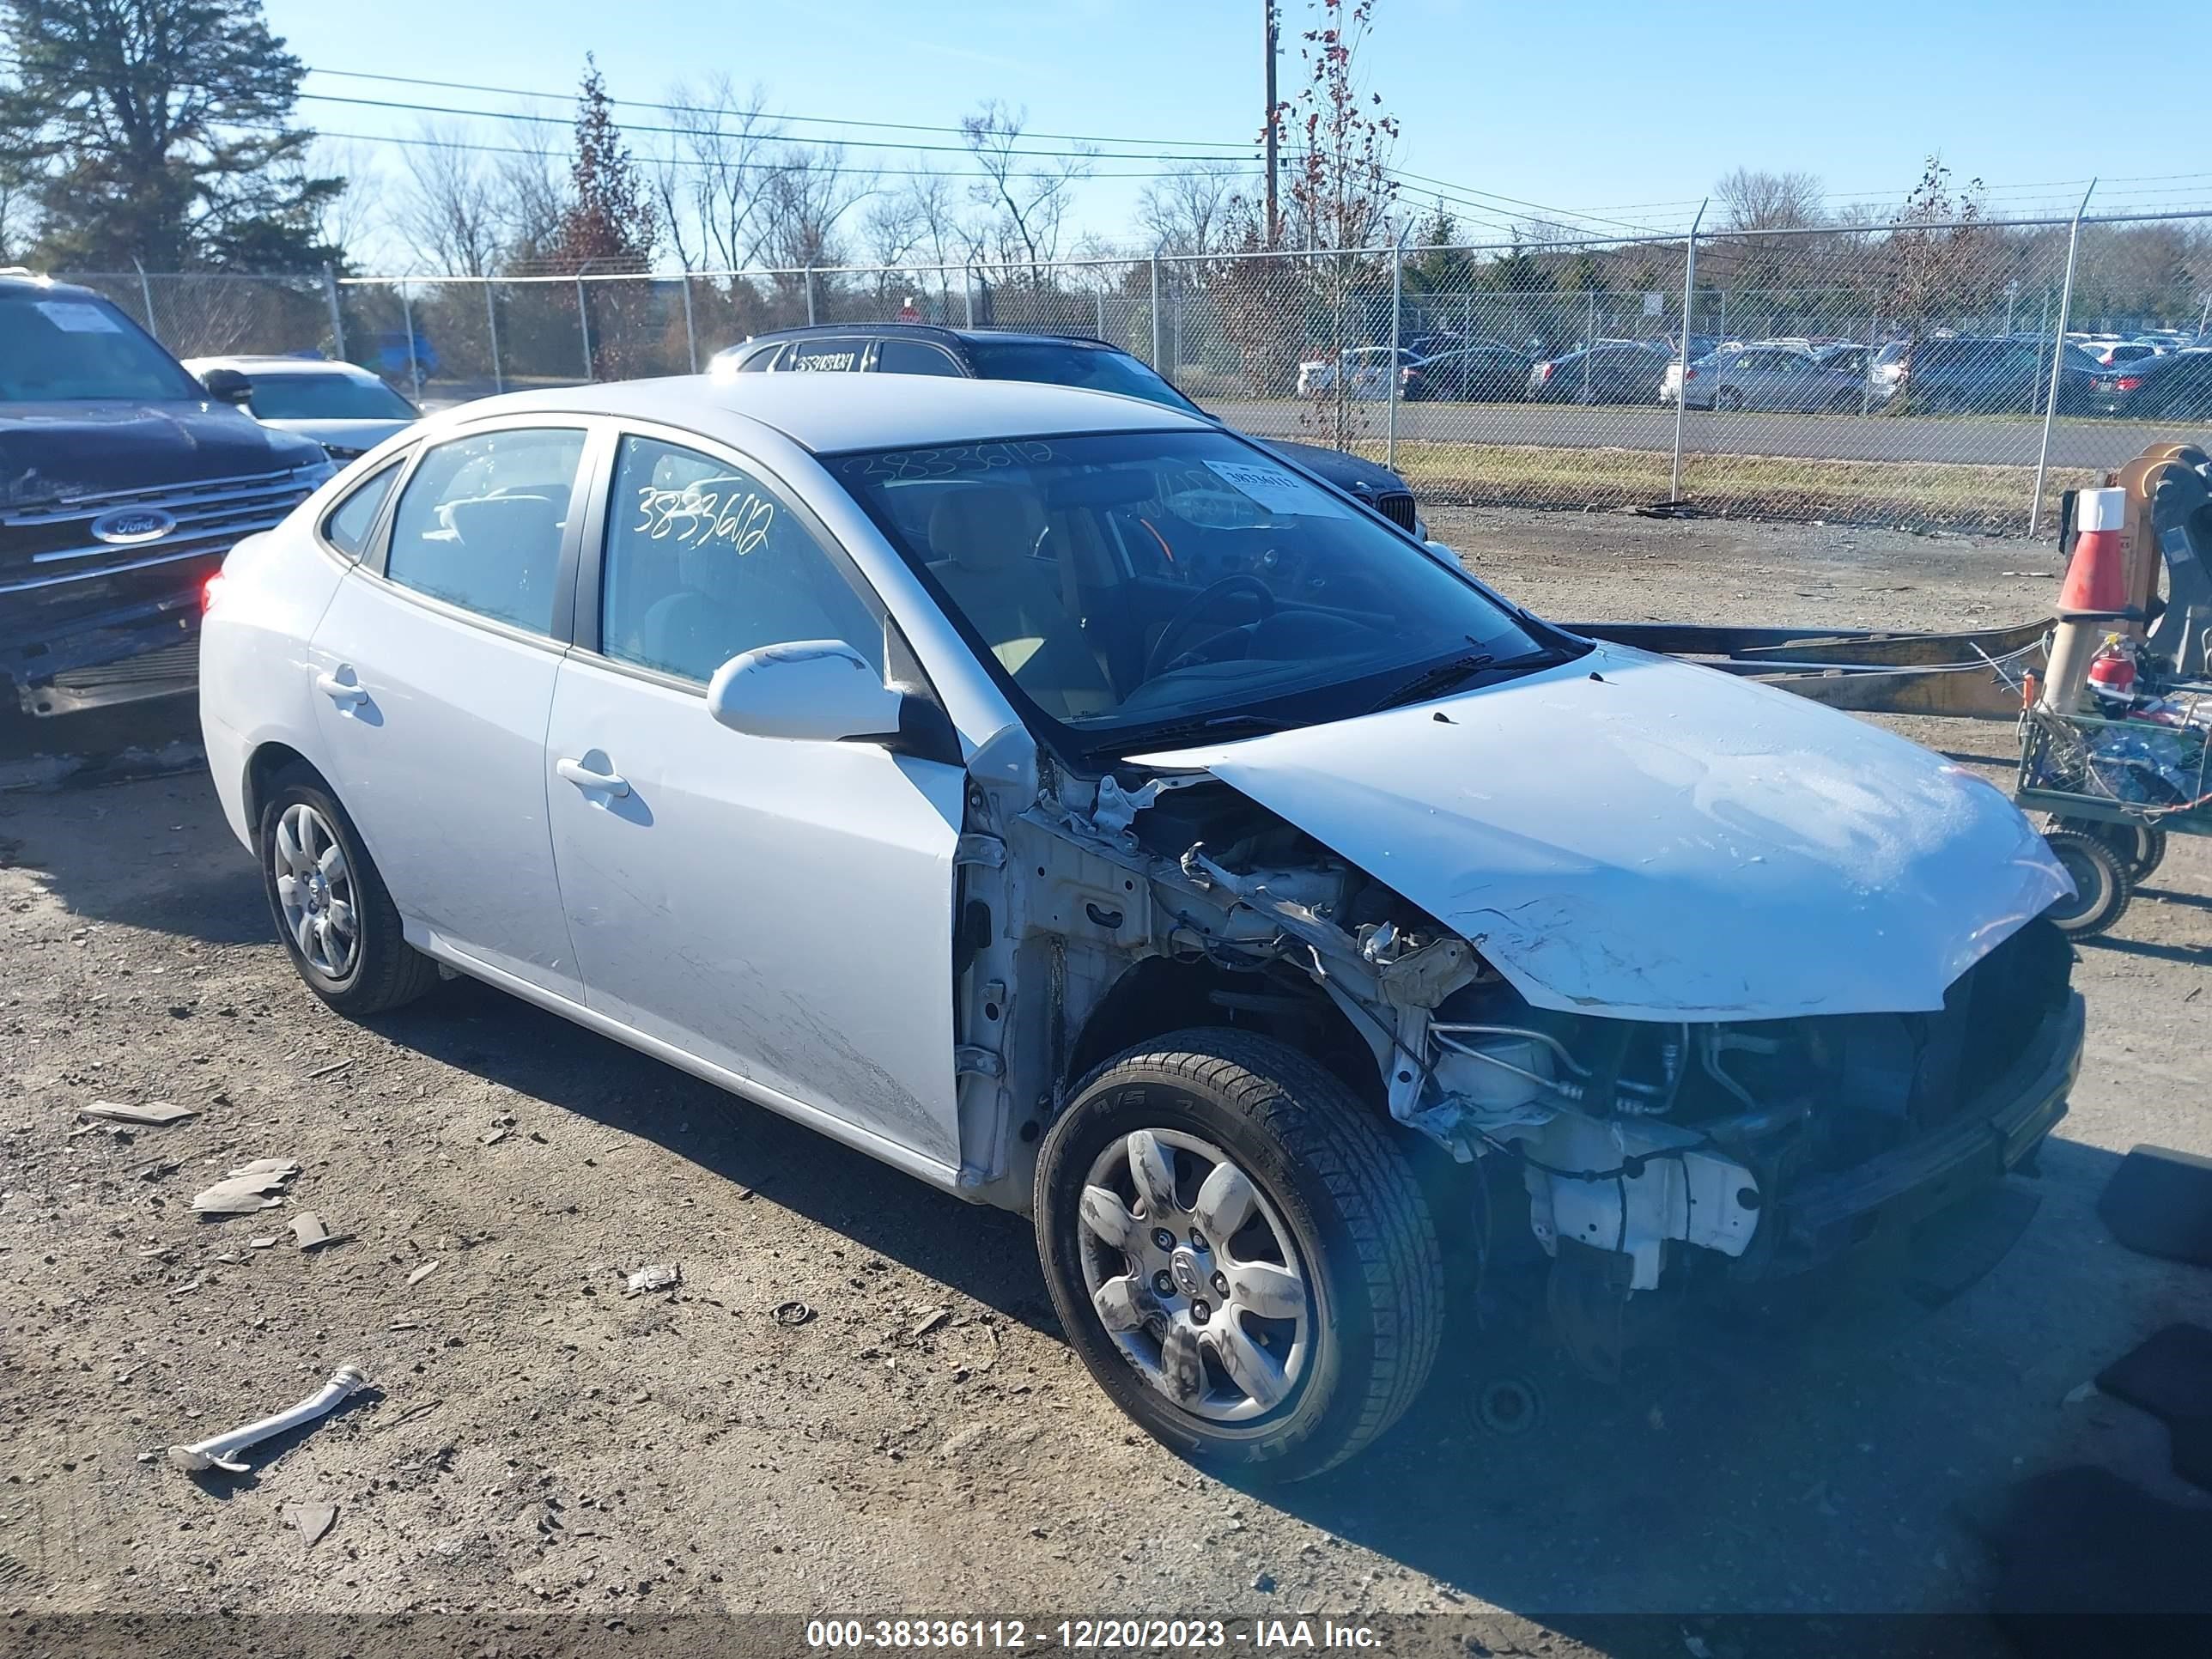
{"points": [[1346, 1192]]}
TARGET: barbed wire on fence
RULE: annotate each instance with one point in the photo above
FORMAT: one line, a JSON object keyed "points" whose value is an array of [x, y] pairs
{"points": [[1934, 374]]}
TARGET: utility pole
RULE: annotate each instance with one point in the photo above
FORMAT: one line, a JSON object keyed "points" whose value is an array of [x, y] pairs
{"points": [[1268, 7]]}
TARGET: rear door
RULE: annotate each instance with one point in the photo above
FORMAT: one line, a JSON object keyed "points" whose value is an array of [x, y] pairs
{"points": [[433, 671], [779, 909]]}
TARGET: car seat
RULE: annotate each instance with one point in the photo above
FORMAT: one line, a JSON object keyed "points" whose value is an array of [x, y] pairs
{"points": [[981, 542]]}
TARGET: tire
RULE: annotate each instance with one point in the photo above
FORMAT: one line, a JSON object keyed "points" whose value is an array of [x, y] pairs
{"points": [[1729, 399], [1334, 1201], [376, 971], [2101, 886], [2140, 847]]}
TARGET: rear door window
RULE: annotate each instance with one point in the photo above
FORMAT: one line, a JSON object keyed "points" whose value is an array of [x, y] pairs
{"points": [[348, 524], [482, 520], [912, 357]]}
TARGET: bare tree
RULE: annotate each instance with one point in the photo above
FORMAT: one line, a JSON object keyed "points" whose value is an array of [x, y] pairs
{"points": [[532, 195], [448, 213], [808, 192], [727, 143], [1753, 200], [1028, 203], [351, 220], [1191, 210]]}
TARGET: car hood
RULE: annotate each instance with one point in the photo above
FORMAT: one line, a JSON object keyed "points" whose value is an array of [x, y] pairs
{"points": [[1362, 478], [62, 449], [1631, 837], [357, 435]]}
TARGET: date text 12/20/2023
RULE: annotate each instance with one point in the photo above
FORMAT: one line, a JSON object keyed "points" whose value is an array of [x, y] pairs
{"points": [[1089, 1635]]}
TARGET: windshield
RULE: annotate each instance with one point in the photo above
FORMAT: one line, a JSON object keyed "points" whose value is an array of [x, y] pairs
{"points": [[1127, 583], [1073, 365], [327, 397], [70, 348]]}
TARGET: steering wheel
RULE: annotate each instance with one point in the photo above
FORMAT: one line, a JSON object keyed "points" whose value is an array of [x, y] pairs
{"points": [[1170, 637]]}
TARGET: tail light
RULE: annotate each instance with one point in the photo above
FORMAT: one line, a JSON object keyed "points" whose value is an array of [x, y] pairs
{"points": [[1544, 370], [210, 591], [2127, 383], [1689, 374]]}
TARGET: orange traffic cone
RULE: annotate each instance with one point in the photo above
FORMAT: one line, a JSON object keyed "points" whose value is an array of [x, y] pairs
{"points": [[2096, 584], [2095, 590]]}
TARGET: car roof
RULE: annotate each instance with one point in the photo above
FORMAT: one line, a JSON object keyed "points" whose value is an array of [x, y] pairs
{"points": [[29, 284], [826, 413], [272, 364], [920, 332]]}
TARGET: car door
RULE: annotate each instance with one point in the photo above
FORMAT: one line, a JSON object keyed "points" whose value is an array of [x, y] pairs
{"points": [[782, 910], [434, 670]]}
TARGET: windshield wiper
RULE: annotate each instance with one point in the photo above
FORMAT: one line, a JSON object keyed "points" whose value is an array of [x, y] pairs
{"points": [[1430, 681], [1210, 725]]}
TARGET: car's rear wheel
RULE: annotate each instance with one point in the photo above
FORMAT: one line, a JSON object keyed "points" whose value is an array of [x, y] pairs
{"points": [[1728, 398], [1239, 1253], [331, 908]]}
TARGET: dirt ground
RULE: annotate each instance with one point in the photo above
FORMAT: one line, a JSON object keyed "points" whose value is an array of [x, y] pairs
{"points": [[537, 1442]]}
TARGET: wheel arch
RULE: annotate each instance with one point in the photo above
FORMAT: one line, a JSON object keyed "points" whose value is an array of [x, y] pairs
{"points": [[267, 763], [1158, 994]]}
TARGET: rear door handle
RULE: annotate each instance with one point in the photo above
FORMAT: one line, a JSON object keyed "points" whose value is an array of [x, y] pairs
{"points": [[344, 693], [584, 778]]}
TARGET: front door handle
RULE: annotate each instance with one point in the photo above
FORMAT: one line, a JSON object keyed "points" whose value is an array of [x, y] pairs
{"points": [[584, 778], [344, 693]]}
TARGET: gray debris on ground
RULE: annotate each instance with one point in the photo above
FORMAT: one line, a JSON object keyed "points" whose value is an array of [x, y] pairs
{"points": [[248, 1188]]}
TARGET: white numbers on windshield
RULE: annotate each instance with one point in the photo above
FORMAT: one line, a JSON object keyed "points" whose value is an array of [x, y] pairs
{"points": [[712, 510]]}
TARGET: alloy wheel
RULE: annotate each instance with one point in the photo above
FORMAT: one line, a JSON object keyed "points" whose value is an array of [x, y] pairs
{"points": [[1195, 1275], [315, 891]]}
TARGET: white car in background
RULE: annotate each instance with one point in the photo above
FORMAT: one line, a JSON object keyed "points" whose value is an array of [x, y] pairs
{"points": [[1367, 371], [345, 409], [1081, 808]]}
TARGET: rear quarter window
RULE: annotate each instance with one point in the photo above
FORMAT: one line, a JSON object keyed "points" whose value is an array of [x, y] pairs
{"points": [[349, 526]]}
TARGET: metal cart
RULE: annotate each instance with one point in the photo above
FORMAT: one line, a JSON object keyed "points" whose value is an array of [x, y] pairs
{"points": [[2114, 790]]}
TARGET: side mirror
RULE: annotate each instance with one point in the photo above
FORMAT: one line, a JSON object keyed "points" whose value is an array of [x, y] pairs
{"points": [[228, 385], [1443, 555], [810, 690]]}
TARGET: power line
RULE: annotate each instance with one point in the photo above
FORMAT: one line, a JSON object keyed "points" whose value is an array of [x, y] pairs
{"points": [[685, 132], [674, 108]]}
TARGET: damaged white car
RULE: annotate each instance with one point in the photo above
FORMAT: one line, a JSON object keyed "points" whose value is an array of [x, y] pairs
{"points": [[1083, 810]]}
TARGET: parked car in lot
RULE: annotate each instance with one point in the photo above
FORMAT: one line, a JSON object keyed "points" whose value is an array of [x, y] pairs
{"points": [[123, 482], [347, 411], [1479, 374], [1366, 370], [389, 355], [1051, 359], [1058, 797], [1766, 376], [2113, 353], [1995, 374], [1616, 373], [2176, 388]]}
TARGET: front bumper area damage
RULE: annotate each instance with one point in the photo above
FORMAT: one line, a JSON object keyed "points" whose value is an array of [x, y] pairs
{"points": [[1651, 1151]]}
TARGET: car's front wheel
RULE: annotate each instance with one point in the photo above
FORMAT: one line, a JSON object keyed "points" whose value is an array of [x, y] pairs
{"points": [[1239, 1253], [331, 906]]}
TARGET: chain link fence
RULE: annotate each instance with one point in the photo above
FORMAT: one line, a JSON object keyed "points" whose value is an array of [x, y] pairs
{"points": [[1955, 374]]}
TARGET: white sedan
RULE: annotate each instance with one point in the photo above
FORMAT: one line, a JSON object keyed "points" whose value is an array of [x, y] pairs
{"points": [[1080, 808], [343, 407]]}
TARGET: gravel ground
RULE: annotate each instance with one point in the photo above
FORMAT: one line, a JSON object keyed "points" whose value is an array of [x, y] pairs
{"points": [[540, 1441]]}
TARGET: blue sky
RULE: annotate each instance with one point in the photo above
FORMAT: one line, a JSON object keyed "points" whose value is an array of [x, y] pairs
{"points": [[1626, 112]]}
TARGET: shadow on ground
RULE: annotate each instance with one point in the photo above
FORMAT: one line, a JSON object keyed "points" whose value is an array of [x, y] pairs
{"points": [[1818, 1463]]}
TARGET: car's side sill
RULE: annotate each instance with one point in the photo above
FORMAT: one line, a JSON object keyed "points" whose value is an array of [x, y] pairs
{"points": [[914, 1164]]}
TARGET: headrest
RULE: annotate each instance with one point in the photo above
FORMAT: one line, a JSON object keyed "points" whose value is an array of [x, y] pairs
{"points": [[984, 526], [499, 523]]}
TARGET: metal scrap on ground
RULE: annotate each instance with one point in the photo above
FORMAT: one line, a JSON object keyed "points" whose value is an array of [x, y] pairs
{"points": [[311, 1521], [655, 1276], [252, 1187], [221, 1452], [153, 1113], [309, 1231]]}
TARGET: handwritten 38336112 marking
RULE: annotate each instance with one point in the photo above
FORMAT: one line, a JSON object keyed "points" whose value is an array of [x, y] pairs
{"points": [[710, 510]]}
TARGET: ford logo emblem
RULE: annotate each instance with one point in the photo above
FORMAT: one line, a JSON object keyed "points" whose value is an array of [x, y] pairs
{"points": [[129, 526]]}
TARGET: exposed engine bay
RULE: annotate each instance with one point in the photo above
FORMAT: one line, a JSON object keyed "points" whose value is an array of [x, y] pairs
{"points": [[1644, 1146]]}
